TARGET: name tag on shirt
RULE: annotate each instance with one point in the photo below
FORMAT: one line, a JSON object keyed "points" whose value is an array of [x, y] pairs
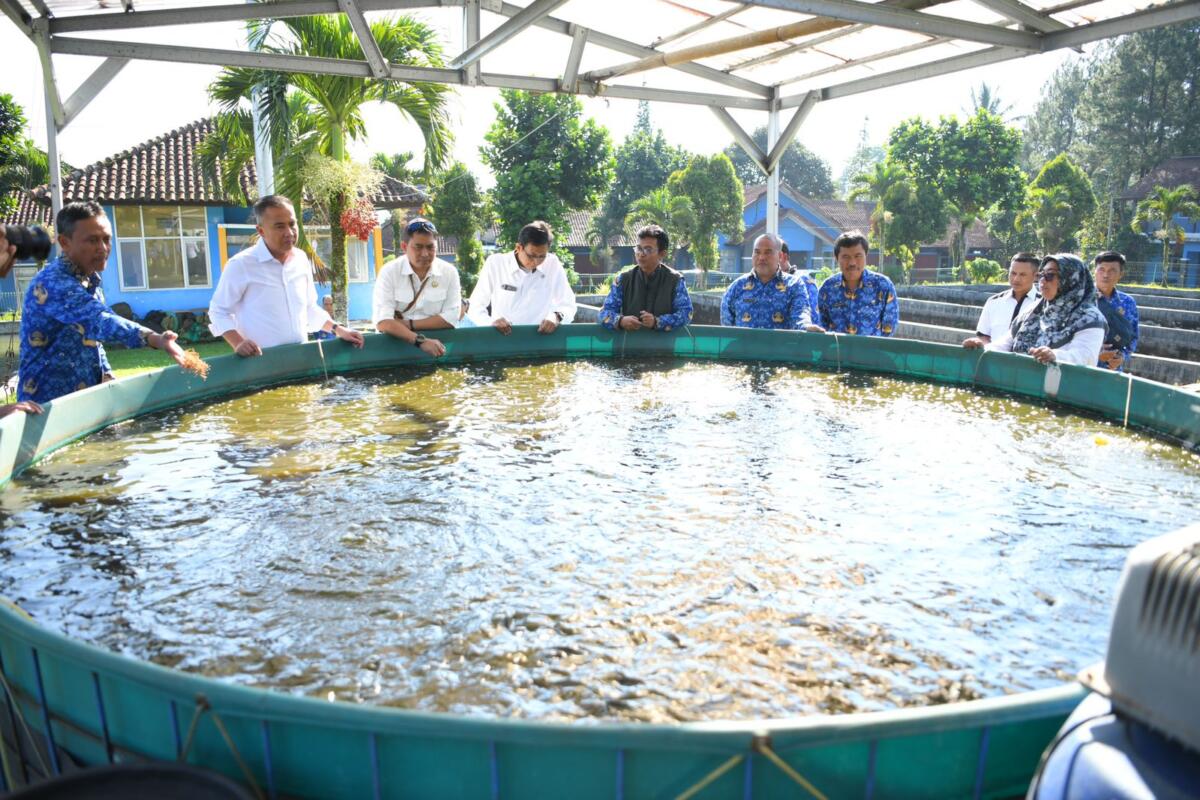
{"points": [[508, 288]]}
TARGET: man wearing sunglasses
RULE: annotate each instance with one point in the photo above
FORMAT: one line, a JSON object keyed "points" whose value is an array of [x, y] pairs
{"points": [[417, 292], [525, 287], [651, 295]]}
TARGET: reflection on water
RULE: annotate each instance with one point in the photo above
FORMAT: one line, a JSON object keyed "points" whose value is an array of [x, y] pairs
{"points": [[634, 540]]}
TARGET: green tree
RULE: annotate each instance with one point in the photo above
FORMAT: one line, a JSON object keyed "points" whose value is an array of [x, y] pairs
{"points": [[715, 192], [12, 137], [644, 161], [398, 166], [889, 185], [800, 168], [674, 213], [457, 208], [1060, 199], [547, 160], [1141, 104], [1052, 128], [329, 107], [972, 164], [1159, 209], [864, 159]]}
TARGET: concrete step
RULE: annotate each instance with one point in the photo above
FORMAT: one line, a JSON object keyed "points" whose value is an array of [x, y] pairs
{"points": [[1153, 298], [1153, 340], [1148, 313]]}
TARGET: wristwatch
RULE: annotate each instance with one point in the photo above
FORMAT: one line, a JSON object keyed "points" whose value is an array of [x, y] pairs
{"points": [[420, 340]]}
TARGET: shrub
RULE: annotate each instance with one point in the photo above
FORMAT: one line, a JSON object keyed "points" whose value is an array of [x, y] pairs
{"points": [[984, 270]]}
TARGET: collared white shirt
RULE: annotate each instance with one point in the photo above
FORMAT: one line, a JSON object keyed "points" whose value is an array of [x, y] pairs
{"points": [[268, 302], [521, 297], [1083, 348], [1000, 310], [397, 284]]}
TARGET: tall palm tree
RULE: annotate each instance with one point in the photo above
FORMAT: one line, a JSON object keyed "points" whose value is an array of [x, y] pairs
{"points": [[1160, 208], [886, 184], [324, 111], [1051, 212], [673, 212], [988, 100]]}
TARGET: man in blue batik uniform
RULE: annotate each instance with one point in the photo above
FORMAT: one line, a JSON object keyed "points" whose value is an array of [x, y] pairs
{"points": [[64, 318], [858, 301], [810, 286], [766, 297], [1109, 266], [651, 295]]}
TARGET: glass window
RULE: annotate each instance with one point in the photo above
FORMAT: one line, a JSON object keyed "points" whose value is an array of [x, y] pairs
{"points": [[193, 221], [356, 253], [164, 263], [129, 221], [133, 272], [162, 247]]}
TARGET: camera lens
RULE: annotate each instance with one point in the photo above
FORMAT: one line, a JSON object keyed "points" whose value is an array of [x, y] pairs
{"points": [[31, 243]]}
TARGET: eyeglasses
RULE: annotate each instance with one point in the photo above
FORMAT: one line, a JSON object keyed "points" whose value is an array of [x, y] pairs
{"points": [[420, 226], [1048, 277], [645, 251], [535, 258]]}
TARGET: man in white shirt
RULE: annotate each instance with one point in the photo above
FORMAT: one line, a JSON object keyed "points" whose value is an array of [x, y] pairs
{"points": [[525, 287], [417, 292], [1003, 308], [266, 296]]}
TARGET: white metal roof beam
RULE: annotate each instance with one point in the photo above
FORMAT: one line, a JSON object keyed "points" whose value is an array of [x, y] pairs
{"points": [[370, 47], [699, 26], [53, 99], [19, 16], [510, 28], [91, 87], [471, 29], [789, 133], [235, 12], [570, 80], [742, 138], [858, 62], [68, 45], [1154, 17], [42, 8], [620, 45], [1019, 12], [902, 19]]}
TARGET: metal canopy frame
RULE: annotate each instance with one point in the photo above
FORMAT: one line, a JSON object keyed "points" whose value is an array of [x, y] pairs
{"points": [[997, 31]]}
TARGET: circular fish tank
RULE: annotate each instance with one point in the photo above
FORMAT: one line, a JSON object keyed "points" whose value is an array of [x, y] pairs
{"points": [[583, 564]]}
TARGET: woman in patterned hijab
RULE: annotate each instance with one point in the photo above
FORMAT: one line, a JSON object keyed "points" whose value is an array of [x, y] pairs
{"points": [[1065, 325]]}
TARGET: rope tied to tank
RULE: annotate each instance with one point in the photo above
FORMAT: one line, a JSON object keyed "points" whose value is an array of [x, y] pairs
{"points": [[762, 746], [1128, 398], [202, 705]]}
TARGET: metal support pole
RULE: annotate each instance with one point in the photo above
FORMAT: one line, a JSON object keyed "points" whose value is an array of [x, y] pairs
{"points": [[53, 164], [264, 160], [773, 175]]}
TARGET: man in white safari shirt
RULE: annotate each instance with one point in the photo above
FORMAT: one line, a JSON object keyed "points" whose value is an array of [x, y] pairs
{"points": [[417, 292], [525, 287]]}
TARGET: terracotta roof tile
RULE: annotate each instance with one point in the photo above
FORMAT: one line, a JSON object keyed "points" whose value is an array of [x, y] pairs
{"points": [[167, 170]]}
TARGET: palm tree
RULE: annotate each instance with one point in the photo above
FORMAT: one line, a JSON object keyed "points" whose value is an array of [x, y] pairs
{"points": [[886, 183], [987, 100], [26, 168], [671, 211], [1160, 208], [306, 113]]}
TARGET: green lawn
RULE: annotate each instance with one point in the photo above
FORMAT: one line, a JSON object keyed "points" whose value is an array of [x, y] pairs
{"points": [[145, 359]]}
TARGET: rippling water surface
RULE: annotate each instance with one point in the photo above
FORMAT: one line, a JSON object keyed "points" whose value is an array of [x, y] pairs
{"points": [[633, 540]]}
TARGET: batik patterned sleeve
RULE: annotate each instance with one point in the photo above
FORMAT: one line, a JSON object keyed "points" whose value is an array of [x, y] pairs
{"points": [[1131, 314], [727, 305], [813, 307], [681, 310], [891, 311], [105, 367], [610, 314], [825, 302], [799, 315], [71, 304]]}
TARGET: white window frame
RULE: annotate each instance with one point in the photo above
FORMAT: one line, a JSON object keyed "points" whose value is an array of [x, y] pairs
{"points": [[183, 241], [322, 232]]}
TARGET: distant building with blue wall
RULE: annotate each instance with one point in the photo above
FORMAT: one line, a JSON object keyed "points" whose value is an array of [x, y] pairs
{"points": [[174, 231], [1171, 174]]}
